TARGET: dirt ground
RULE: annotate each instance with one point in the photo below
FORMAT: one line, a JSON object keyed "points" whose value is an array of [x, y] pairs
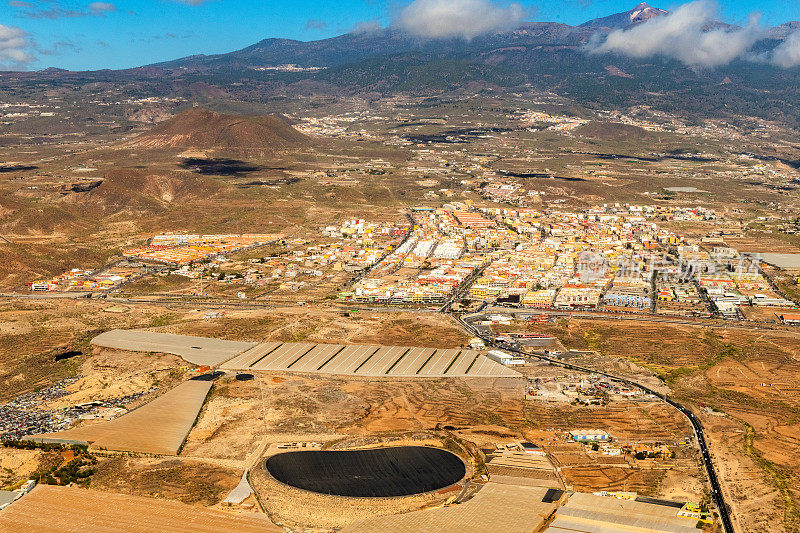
{"points": [[238, 415], [173, 479], [748, 378], [625, 421], [33, 332], [331, 326], [110, 373], [16, 466]]}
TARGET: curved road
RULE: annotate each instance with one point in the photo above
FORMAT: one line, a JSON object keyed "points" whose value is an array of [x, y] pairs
{"points": [[716, 489]]}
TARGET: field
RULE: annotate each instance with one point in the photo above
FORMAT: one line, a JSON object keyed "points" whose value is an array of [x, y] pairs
{"points": [[368, 361], [240, 418], [496, 507], [742, 381], [184, 480], [159, 427], [51, 509]]}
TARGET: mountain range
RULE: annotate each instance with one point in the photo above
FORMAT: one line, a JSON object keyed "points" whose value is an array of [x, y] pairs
{"points": [[360, 45], [539, 55], [639, 14]]}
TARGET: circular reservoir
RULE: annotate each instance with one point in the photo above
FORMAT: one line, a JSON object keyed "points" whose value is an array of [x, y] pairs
{"points": [[380, 472]]}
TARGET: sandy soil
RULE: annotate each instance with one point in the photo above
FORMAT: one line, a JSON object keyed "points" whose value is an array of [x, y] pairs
{"points": [[750, 376], [32, 332], [16, 466], [112, 373], [330, 326], [173, 479]]}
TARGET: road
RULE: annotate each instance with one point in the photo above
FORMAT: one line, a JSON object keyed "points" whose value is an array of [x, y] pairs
{"points": [[361, 275], [463, 287], [716, 490], [594, 315]]}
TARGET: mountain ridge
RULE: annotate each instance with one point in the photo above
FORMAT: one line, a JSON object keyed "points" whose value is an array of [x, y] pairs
{"points": [[639, 14]]}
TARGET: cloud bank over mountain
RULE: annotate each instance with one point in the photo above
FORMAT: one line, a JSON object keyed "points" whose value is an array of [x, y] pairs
{"points": [[467, 19], [689, 34], [787, 54]]}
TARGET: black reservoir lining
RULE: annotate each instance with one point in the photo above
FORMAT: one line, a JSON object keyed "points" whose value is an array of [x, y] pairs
{"points": [[382, 472]]}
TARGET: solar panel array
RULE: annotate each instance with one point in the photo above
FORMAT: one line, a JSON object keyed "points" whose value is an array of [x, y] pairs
{"points": [[369, 361]]}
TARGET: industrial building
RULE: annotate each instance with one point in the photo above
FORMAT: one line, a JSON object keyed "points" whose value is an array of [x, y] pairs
{"points": [[589, 435], [592, 513], [504, 359]]}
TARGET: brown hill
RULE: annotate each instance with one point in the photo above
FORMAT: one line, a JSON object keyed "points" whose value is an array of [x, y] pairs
{"points": [[202, 129], [143, 191]]}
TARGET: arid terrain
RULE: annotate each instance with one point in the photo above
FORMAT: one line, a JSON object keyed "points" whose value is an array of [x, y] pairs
{"points": [[618, 241]]}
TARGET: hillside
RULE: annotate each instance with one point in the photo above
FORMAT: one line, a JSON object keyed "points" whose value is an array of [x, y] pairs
{"points": [[202, 129], [545, 56]]}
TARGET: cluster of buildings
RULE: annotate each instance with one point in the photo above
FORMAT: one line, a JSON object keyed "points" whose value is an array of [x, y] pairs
{"points": [[611, 257], [575, 260], [730, 291], [555, 122], [87, 280], [616, 258], [345, 125], [355, 246], [629, 293], [437, 256], [182, 249], [606, 256]]}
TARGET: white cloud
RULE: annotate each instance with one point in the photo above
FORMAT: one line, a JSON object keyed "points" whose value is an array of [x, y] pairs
{"points": [[458, 18], [685, 35], [787, 54], [98, 8], [13, 48]]}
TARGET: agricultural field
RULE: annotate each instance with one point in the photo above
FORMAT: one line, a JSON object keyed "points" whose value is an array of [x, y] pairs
{"points": [[52, 509], [743, 383], [159, 427], [340, 179]]}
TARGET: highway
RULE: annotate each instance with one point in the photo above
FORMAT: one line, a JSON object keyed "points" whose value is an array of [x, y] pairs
{"points": [[716, 490]]}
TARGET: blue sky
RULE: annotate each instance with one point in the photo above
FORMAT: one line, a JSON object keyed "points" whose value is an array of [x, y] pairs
{"points": [[124, 33]]}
